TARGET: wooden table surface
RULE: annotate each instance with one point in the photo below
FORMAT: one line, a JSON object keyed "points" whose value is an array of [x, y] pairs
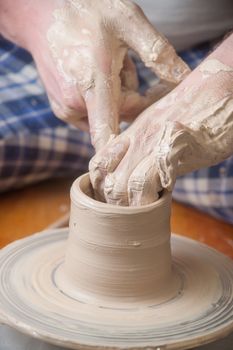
{"points": [[32, 209]]}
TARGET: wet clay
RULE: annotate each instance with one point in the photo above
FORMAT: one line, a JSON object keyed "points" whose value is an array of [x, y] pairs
{"points": [[117, 254]]}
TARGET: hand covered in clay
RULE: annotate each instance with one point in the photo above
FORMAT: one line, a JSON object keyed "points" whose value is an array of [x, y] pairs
{"points": [[190, 128], [80, 48]]}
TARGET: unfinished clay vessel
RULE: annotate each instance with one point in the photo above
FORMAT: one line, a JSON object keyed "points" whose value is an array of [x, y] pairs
{"points": [[116, 252]]}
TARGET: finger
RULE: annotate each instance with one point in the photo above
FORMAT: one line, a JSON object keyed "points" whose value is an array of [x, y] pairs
{"points": [[129, 77], [115, 187], [144, 183], [134, 103], [106, 161], [69, 115], [153, 48], [102, 114], [108, 158], [65, 100], [103, 98]]}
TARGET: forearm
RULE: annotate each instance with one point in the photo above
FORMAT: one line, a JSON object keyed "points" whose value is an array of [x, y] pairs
{"points": [[213, 118], [20, 21], [223, 54], [199, 129]]}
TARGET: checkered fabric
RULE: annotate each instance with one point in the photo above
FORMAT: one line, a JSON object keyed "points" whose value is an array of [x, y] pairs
{"points": [[35, 145]]}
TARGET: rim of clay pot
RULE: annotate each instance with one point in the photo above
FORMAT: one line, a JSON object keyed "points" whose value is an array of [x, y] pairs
{"points": [[81, 194]]}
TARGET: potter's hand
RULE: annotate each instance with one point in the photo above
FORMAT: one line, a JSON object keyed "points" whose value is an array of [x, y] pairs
{"points": [[190, 128], [80, 48]]}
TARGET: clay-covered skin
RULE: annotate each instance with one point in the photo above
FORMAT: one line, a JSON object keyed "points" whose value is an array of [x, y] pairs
{"points": [[188, 129], [80, 48]]}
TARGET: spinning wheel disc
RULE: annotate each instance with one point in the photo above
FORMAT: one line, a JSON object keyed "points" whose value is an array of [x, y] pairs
{"points": [[200, 311]]}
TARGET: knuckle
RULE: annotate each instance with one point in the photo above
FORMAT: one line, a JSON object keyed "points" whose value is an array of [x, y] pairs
{"points": [[72, 103], [115, 190], [132, 6], [98, 167], [99, 164], [136, 8], [57, 109], [68, 115], [136, 183], [75, 105], [93, 164], [128, 9]]}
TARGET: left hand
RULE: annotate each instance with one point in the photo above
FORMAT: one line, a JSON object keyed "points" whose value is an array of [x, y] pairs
{"points": [[190, 128]]}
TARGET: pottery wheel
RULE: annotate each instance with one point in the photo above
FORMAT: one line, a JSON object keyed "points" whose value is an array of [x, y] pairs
{"points": [[200, 311]]}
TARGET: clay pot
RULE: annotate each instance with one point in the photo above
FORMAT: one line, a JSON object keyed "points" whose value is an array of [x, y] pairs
{"points": [[116, 252]]}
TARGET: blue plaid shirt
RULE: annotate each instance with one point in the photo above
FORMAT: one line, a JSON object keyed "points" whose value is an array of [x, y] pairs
{"points": [[35, 145]]}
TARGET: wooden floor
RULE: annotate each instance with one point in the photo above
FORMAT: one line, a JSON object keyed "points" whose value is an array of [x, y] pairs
{"points": [[29, 210]]}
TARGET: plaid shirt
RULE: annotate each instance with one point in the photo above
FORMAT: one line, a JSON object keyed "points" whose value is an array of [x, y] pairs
{"points": [[35, 145]]}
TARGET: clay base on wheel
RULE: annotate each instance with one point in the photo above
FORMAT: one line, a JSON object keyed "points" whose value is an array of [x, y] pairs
{"points": [[197, 309]]}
